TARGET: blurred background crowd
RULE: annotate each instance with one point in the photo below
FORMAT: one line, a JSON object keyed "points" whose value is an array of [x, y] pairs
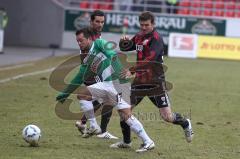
{"points": [[226, 8]]}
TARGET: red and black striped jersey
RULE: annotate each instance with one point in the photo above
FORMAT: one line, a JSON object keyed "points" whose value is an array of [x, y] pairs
{"points": [[150, 51], [149, 46]]}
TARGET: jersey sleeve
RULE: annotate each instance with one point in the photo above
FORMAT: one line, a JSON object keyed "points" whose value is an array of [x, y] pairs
{"points": [[156, 49], [76, 81]]}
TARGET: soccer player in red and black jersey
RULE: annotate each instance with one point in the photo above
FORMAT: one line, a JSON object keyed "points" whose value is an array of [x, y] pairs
{"points": [[149, 78], [96, 24]]}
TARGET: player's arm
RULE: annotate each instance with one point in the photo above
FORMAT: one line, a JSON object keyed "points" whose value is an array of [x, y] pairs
{"points": [[74, 84]]}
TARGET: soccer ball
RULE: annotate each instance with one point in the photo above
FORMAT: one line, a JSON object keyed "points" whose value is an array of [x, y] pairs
{"points": [[31, 134]]}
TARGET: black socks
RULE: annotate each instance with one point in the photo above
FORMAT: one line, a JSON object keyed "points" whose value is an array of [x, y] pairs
{"points": [[126, 132], [178, 119], [106, 115]]}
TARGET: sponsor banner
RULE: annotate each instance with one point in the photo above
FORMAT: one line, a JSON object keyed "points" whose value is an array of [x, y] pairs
{"points": [[117, 22], [218, 47], [182, 45], [231, 27]]}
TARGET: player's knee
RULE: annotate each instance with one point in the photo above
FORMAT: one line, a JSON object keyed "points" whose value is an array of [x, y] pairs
{"points": [[124, 114], [82, 97], [79, 97]]}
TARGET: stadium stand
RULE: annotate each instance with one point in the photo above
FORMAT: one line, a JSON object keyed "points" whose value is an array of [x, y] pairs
{"points": [[100, 4], [226, 8], [216, 8]]}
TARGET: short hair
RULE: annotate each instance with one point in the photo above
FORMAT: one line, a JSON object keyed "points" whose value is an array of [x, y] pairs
{"points": [[87, 32], [144, 16], [97, 13]]}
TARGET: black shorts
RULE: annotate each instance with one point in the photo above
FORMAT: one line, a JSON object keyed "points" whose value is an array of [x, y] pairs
{"points": [[157, 93]]}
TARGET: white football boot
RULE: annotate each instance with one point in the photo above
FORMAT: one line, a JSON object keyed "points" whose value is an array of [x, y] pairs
{"points": [[146, 147], [93, 130], [121, 144], [189, 132], [106, 135], [82, 128]]}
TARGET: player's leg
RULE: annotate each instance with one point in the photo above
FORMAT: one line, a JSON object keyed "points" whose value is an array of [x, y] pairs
{"points": [[96, 106], [105, 118], [135, 100], [123, 106], [82, 123], [124, 126], [178, 119], [163, 103], [106, 115], [137, 127], [100, 90], [85, 100]]}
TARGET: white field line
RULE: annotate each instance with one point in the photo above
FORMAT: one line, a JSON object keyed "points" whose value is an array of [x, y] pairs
{"points": [[16, 66], [26, 75]]}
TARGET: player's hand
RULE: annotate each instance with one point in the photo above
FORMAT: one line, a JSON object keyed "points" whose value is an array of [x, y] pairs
{"points": [[132, 69], [62, 97], [125, 73], [125, 37]]}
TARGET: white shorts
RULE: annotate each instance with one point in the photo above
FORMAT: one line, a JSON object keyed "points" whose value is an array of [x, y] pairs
{"points": [[112, 93]]}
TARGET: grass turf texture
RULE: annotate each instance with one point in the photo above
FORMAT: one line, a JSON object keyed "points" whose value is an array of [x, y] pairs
{"points": [[210, 88]]}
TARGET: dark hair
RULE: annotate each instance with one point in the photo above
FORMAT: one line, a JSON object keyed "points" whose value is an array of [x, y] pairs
{"points": [[144, 16], [87, 32], [97, 13]]}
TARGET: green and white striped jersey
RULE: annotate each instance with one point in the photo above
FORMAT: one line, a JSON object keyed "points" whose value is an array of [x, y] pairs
{"points": [[101, 62]]}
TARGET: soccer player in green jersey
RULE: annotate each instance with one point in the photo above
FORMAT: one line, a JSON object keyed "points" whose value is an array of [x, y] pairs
{"points": [[96, 24], [104, 64]]}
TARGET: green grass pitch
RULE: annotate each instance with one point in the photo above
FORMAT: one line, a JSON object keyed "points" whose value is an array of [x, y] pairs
{"points": [[209, 88]]}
